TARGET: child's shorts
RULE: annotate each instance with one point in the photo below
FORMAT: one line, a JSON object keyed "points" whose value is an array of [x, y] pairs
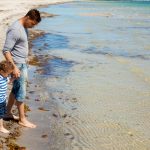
{"points": [[2, 109]]}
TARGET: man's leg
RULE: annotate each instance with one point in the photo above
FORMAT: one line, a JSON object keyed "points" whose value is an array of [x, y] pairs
{"points": [[22, 119], [19, 90]]}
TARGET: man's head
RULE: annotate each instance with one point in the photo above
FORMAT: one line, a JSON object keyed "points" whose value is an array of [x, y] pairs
{"points": [[6, 68], [32, 18]]}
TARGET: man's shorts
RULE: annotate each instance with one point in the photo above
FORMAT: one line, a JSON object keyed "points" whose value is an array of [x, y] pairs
{"points": [[2, 109], [20, 84]]}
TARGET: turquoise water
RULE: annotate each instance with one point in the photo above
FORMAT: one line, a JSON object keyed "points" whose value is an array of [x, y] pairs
{"points": [[117, 28]]}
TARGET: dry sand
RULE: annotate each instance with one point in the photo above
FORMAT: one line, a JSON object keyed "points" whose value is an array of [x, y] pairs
{"points": [[10, 10]]}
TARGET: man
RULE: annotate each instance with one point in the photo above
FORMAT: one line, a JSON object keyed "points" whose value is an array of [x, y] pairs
{"points": [[16, 51]]}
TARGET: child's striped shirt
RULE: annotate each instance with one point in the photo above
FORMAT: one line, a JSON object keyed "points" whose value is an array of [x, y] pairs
{"points": [[3, 88]]}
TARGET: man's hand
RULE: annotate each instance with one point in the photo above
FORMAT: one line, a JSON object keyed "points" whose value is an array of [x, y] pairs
{"points": [[16, 72]]}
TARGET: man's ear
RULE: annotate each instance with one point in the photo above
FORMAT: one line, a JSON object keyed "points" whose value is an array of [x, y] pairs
{"points": [[26, 18]]}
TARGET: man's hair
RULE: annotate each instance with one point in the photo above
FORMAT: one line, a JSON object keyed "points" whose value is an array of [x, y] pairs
{"points": [[34, 14], [6, 66]]}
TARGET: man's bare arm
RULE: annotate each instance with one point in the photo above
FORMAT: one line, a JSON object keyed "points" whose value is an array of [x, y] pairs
{"points": [[16, 72]]}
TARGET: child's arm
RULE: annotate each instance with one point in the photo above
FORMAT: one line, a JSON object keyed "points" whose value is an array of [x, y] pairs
{"points": [[10, 79]]}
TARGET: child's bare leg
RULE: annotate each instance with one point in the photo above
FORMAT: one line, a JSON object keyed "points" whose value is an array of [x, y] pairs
{"points": [[2, 129], [11, 102]]}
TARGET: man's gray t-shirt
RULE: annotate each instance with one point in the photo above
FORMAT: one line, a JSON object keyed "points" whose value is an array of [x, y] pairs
{"points": [[17, 42]]}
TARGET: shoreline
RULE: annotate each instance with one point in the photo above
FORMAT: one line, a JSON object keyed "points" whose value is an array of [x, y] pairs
{"points": [[107, 114], [102, 104], [9, 141]]}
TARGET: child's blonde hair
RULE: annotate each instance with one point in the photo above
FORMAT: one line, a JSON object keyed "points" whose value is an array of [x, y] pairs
{"points": [[6, 66]]}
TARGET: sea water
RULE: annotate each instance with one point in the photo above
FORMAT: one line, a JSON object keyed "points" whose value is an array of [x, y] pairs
{"points": [[117, 28]]}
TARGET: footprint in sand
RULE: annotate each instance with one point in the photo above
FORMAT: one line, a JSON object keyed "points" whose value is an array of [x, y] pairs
{"points": [[69, 135]]}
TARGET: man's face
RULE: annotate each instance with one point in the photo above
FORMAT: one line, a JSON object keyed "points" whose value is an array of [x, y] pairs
{"points": [[29, 23]]}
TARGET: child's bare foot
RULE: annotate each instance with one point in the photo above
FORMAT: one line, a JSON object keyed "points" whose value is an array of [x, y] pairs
{"points": [[26, 123], [2, 129], [11, 116]]}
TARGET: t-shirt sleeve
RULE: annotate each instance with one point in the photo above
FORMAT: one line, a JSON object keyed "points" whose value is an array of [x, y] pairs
{"points": [[12, 37]]}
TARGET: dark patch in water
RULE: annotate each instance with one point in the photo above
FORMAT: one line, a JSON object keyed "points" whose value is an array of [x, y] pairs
{"points": [[132, 28], [108, 51], [91, 49], [51, 65], [51, 41], [144, 28], [147, 57], [57, 67], [80, 33]]}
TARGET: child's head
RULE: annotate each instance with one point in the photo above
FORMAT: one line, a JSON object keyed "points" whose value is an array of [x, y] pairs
{"points": [[6, 68]]}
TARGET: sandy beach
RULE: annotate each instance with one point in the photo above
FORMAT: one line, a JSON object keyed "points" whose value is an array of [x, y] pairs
{"points": [[12, 10], [101, 104]]}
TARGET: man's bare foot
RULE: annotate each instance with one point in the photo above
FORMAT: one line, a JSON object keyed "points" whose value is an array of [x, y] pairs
{"points": [[26, 123], [11, 117], [2, 129]]}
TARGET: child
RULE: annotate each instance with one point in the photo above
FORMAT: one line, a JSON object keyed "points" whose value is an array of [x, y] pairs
{"points": [[6, 68]]}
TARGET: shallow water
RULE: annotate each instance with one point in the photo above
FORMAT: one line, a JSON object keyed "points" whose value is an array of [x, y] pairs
{"points": [[106, 93], [117, 28]]}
